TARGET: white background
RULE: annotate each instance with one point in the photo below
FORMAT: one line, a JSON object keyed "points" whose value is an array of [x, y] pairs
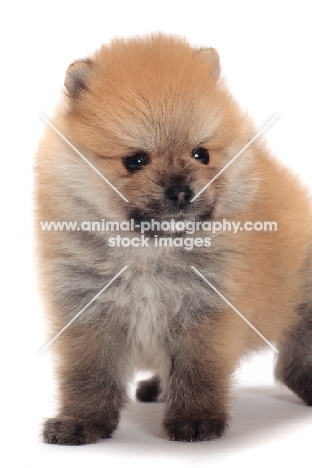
{"points": [[265, 49]]}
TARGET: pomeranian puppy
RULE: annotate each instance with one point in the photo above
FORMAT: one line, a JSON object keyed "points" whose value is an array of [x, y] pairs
{"points": [[153, 117]]}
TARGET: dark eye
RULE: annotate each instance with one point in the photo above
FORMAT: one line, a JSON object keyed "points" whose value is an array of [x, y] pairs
{"points": [[135, 162], [201, 154]]}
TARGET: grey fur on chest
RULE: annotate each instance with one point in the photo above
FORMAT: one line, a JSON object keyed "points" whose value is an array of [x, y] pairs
{"points": [[157, 285]]}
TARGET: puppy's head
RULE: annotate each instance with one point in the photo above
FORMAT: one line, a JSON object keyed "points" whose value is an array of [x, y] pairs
{"points": [[159, 124]]}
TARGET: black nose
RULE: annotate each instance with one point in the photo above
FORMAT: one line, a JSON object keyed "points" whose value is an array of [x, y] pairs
{"points": [[179, 196]]}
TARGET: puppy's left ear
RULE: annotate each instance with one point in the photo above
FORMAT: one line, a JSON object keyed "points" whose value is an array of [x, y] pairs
{"points": [[77, 75], [212, 56]]}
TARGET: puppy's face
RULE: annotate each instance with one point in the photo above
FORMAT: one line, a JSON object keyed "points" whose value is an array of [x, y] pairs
{"points": [[159, 124]]}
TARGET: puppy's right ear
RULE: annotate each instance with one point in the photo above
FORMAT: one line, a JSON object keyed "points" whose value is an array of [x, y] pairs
{"points": [[77, 75]]}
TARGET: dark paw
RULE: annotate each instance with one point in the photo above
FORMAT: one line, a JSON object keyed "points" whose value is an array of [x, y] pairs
{"points": [[148, 390], [300, 382], [71, 431], [195, 429], [303, 387]]}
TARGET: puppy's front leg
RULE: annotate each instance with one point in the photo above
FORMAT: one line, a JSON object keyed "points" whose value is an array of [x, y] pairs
{"points": [[92, 387], [197, 387]]}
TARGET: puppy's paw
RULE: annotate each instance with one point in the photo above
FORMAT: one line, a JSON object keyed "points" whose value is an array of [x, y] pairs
{"points": [[71, 431], [148, 390], [298, 380], [195, 428]]}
